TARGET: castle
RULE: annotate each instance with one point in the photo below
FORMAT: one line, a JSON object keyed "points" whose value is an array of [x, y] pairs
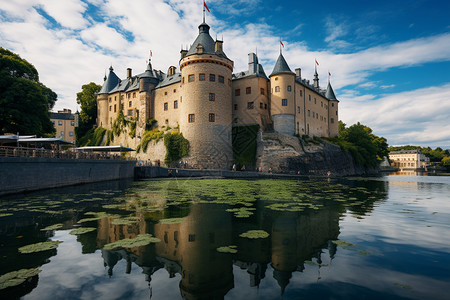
{"points": [[205, 99]]}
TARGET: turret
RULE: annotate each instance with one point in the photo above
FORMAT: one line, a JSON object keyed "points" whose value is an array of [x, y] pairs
{"points": [[282, 108], [109, 83], [333, 115]]}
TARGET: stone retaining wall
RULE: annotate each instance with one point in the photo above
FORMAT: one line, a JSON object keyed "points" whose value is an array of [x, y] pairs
{"points": [[18, 174]]}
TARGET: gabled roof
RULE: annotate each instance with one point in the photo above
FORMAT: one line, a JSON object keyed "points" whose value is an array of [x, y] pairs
{"points": [[330, 93], [110, 83], [281, 66], [170, 80], [254, 69]]}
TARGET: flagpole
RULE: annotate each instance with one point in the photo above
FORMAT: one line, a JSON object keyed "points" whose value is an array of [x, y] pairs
{"points": [[204, 11]]}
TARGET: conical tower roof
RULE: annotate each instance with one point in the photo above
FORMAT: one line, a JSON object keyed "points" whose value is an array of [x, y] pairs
{"points": [[330, 93], [203, 39], [110, 83], [281, 66]]}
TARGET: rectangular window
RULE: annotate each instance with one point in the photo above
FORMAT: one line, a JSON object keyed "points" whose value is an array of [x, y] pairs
{"points": [[201, 77], [115, 107], [174, 90], [128, 96], [265, 106], [298, 109], [336, 113], [134, 95], [109, 99], [130, 112], [314, 115], [59, 123], [110, 108], [191, 238], [260, 105], [262, 91], [237, 92], [309, 113], [62, 133], [284, 102], [72, 123], [212, 77], [277, 89], [221, 79], [235, 107], [70, 133], [191, 78], [129, 104], [321, 103], [248, 90], [175, 104], [166, 106], [332, 104], [191, 118], [309, 97], [315, 101], [212, 117], [301, 93], [332, 120], [53, 122], [289, 88], [212, 97], [250, 105]]}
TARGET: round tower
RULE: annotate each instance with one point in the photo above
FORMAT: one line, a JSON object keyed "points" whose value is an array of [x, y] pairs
{"points": [[333, 117], [110, 82], [282, 103], [206, 102]]}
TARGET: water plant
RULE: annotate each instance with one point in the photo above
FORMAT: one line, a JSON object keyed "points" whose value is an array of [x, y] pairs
{"points": [[227, 249], [52, 227], [16, 278], [38, 247], [82, 230], [255, 234], [141, 240]]}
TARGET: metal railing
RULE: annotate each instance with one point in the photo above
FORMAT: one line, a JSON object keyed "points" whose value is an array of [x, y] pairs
{"points": [[66, 154]]}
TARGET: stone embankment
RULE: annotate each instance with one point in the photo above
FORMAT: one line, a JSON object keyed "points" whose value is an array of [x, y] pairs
{"points": [[291, 155]]}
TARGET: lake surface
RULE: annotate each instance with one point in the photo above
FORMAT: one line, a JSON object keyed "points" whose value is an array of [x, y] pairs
{"points": [[358, 238]]}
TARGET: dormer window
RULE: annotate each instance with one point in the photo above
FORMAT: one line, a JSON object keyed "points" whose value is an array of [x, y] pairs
{"points": [[200, 49]]}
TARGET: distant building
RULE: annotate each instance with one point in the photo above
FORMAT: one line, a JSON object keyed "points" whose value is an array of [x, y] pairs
{"points": [[408, 159], [65, 122]]}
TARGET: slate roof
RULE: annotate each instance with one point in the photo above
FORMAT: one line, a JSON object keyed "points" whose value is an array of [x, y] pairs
{"points": [[62, 116], [168, 80], [281, 66], [111, 81], [330, 93], [206, 41]]}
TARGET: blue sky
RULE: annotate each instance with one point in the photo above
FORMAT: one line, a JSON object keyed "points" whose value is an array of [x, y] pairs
{"points": [[389, 60]]}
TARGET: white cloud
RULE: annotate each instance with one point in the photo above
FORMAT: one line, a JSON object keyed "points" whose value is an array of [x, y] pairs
{"points": [[68, 13], [419, 116]]}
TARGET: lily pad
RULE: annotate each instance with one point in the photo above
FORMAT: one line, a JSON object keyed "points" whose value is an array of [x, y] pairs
{"points": [[38, 247], [16, 278], [405, 286], [140, 240], [342, 244], [82, 230], [52, 227], [172, 221], [255, 234], [5, 215], [227, 249], [125, 221]]}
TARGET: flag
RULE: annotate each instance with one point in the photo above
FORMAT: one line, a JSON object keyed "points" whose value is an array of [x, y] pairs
{"points": [[329, 74], [281, 44], [204, 4], [151, 54], [316, 62]]}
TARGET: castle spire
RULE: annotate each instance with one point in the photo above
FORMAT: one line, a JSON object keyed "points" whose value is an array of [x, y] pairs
{"points": [[316, 76]]}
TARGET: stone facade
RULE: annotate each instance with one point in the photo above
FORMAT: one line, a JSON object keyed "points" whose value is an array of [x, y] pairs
{"points": [[205, 99], [65, 122]]}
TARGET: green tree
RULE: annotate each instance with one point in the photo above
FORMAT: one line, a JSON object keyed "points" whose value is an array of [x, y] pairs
{"points": [[24, 101], [446, 161], [87, 99]]}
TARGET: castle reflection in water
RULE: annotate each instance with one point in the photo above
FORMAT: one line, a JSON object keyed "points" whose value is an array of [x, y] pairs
{"points": [[189, 248]]}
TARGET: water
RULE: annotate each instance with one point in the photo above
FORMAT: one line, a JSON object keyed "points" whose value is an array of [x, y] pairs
{"points": [[359, 238]]}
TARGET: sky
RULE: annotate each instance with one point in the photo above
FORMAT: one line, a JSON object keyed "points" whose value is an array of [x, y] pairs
{"points": [[389, 60]]}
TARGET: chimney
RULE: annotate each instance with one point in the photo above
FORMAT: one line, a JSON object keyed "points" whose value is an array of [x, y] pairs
{"points": [[129, 73], [252, 63], [218, 47], [183, 53], [298, 73]]}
